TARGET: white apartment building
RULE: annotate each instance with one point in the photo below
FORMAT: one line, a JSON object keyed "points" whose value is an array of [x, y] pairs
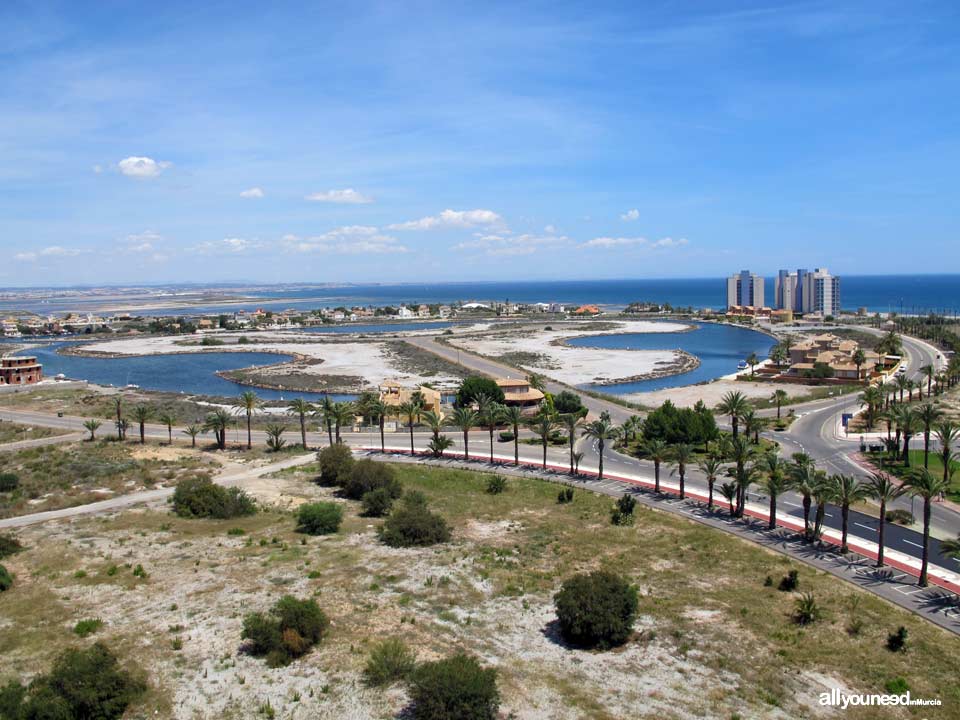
{"points": [[745, 290]]}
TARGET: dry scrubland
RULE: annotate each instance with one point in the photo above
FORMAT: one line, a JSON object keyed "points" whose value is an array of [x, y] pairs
{"points": [[711, 641], [12, 432]]}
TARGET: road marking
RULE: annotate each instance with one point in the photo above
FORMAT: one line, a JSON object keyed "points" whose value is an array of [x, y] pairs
{"points": [[909, 542], [866, 527], [787, 502]]}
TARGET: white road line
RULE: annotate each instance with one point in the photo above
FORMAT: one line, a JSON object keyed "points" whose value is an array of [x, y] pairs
{"points": [[909, 542], [866, 527], [787, 502]]}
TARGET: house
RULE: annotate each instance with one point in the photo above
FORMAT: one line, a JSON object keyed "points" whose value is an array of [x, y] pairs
{"points": [[9, 327], [393, 394], [518, 392], [205, 324], [444, 311], [749, 311], [830, 350], [20, 370], [405, 312], [585, 310], [423, 311]]}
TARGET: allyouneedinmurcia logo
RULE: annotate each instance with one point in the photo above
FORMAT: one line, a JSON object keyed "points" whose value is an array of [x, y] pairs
{"points": [[835, 698]]}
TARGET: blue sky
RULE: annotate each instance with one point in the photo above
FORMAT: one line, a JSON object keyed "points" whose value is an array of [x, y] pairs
{"points": [[452, 141]]}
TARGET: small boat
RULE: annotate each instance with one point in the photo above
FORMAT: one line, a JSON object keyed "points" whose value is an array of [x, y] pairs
{"points": [[742, 365]]}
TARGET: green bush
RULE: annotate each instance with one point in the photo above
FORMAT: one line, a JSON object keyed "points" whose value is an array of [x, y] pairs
{"points": [[506, 436], [289, 630], [897, 686], [390, 661], [322, 518], [789, 582], [596, 609], [9, 482], [86, 684], [476, 385], [568, 403], [496, 484], [900, 516], [6, 579], [9, 545], [367, 475], [807, 611], [897, 641], [412, 524], [377, 503], [336, 461], [88, 626], [622, 512], [565, 496], [673, 425], [200, 497], [456, 687]]}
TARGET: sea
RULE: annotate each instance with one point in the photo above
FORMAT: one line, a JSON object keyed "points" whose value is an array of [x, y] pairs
{"points": [[911, 294]]}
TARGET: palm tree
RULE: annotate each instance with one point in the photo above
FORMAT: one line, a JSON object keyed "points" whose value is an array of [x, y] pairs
{"points": [[433, 420], [805, 478], [740, 453], [142, 413], [907, 422], [776, 481], [275, 439], [571, 423], [901, 383], [752, 425], [778, 354], [729, 492], [465, 418], [543, 426], [711, 467], [951, 548], [537, 382], [218, 421], [682, 454], [192, 431], [600, 430], [411, 411], [247, 404], [630, 427], [325, 413], [490, 413], [920, 483], [342, 414], [927, 414], [884, 490], [513, 416], [847, 491], [779, 397], [734, 404], [929, 372], [378, 411], [301, 408], [122, 426], [752, 361], [92, 426], [118, 406], [824, 492], [439, 445], [658, 451], [859, 358], [169, 420], [871, 398], [947, 436]]}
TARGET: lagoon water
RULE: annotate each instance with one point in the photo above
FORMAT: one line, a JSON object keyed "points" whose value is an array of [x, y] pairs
{"points": [[719, 347], [190, 373]]}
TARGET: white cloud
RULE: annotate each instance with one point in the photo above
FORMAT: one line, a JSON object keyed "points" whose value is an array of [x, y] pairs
{"points": [[550, 230], [611, 242], [98, 169], [232, 245], [253, 192], [142, 242], [630, 215], [142, 167], [452, 219], [343, 197], [52, 251], [347, 240], [505, 243]]}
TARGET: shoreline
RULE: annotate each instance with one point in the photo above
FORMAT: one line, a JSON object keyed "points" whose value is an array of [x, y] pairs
{"points": [[687, 363]]}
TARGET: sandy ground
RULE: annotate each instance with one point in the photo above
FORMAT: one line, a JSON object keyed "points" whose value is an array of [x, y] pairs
{"points": [[368, 360], [711, 393], [577, 366]]}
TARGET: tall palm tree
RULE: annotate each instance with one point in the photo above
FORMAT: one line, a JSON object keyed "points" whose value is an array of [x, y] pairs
{"points": [[218, 421], [490, 413], [411, 411], [543, 426], [871, 399], [921, 483], [824, 492], [465, 419], [342, 414], [740, 453], [774, 472], [907, 423], [537, 382], [378, 411], [681, 455], [753, 424], [118, 406], [169, 421], [901, 383], [884, 490], [711, 467], [92, 426], [929, 372], [248, 404], [729, 492], [122, 426], [779, 397], [734, 404], [301, 408], [927, 414], [859, 358], [513, 416], [847, 491], [192, 431], [433, 420], [602, 431], [325, 413], [571, 423], [947, 435], [752, 361], [658, 451], [141, 414], [805, 478]]}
